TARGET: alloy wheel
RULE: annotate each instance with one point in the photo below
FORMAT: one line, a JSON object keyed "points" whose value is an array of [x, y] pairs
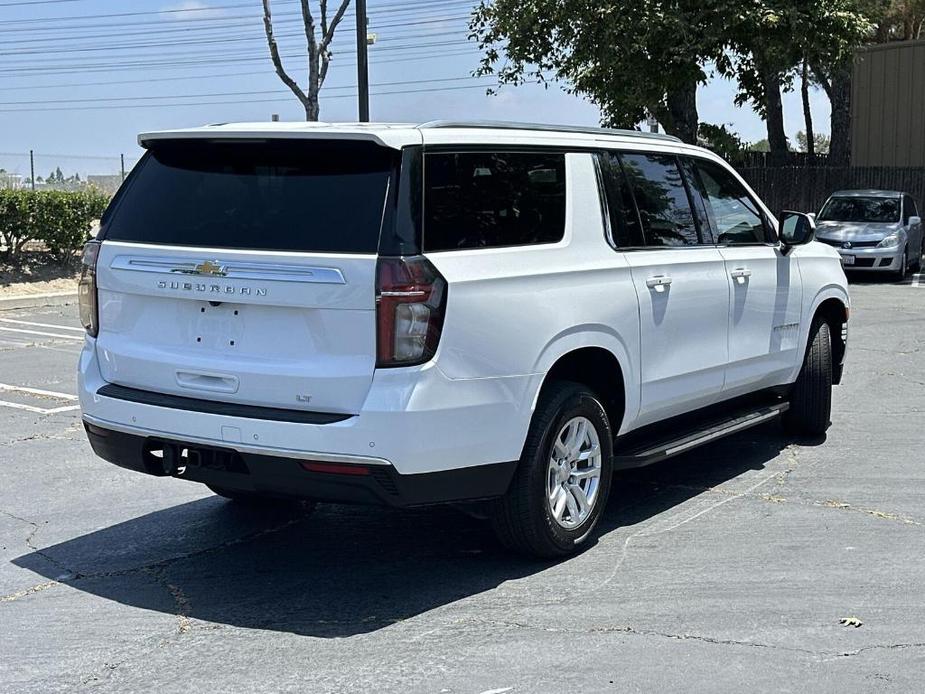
{"points": [[574, 473]]}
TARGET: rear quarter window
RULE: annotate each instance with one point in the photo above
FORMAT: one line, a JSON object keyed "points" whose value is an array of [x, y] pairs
{"points": [[284, 196], [493, 199]]}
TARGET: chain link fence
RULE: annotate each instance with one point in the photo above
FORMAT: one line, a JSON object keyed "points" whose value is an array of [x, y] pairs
{"points": [[63, 171]]}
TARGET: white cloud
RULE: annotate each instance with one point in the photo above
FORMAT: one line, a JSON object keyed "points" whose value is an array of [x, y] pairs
{"points": [[191, 9]]}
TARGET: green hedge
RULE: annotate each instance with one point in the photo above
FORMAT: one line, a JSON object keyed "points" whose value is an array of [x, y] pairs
{"points": [[60, 219]]}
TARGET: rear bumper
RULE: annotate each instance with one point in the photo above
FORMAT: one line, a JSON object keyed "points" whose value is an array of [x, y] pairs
{"points": [[374, 483], [416, 421]]}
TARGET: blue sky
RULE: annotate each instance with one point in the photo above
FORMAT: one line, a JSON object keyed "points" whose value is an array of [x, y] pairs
{"points": [[77, 84]]}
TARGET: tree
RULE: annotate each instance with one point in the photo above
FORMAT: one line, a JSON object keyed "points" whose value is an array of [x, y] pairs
{"points": [[722, 140], [631, 58], [772, 39], [319, 54], [820, 143], [897, 20]]}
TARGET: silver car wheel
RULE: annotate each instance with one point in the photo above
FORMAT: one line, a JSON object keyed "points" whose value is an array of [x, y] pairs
{"points": [[574, 473]]}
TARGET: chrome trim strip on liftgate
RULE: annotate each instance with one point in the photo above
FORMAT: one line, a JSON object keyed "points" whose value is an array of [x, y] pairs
{"points": [[232, 270]]}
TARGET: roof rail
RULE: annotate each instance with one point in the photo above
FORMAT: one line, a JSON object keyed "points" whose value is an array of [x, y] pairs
{"points": [[544, 127]]}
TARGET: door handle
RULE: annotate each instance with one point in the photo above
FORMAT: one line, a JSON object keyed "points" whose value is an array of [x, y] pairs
{"points": [[659, 282], [740, 274]]}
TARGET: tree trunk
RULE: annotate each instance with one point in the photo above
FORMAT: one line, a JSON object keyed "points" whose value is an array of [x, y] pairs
{"points": [[840, 149], [807, 113], [312, 105], [774, 114], [682, 112]]}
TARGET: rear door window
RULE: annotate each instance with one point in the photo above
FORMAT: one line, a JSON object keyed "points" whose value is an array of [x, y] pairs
{"points": [[734, 216], [284, 196], [493, 199], [662, 199], [625, 226]]}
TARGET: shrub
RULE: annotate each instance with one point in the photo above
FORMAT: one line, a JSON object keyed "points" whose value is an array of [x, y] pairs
{"points": [[60, 219]]}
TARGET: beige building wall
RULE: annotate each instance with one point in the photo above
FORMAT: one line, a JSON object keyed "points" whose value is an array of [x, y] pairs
{"points": [[888, 105]]}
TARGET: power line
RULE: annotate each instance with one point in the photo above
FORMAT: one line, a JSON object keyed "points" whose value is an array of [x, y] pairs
{"points": [[60, 156], [249, 101], [198, 59], [36, 2], [219, 94], [223, 75], [185, 65], [407, 6], [198, 42], [206, 32]]}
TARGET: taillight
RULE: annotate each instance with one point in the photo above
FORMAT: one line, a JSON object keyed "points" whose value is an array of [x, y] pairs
{"points": [[86, 289], [410, 304]]}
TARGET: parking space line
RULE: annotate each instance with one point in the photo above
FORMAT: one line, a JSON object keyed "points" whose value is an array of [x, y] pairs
{"points": [[42, 334], [38, 410], [916, 278], [36, 391], [40, 325], [7, 388]]}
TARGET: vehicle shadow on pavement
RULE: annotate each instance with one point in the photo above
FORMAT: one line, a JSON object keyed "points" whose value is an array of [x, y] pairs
{"points": [[345, 570]]}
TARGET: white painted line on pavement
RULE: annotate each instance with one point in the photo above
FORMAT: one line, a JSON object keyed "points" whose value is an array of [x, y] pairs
{"points": [[6, 388], [35, 391], [916, 278], [40, 325], [38, 410], [42, 334]]}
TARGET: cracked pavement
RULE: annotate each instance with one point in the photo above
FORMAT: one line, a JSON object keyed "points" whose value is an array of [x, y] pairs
{"points": [[727, 569]]}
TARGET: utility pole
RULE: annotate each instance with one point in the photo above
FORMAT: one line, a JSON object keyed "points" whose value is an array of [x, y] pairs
{"points": [[362, 61], [123, 167], [32, 166]]}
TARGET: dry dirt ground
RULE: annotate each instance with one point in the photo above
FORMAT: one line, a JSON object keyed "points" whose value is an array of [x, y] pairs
{"points": [[38, 274]]}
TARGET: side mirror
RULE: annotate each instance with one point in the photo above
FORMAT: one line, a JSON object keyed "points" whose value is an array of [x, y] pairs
{"points": [[796, 229], [915, 221]]}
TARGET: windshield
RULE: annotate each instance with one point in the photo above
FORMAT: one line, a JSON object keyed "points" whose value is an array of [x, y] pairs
{"points": [[284, 196], [876, 210]]}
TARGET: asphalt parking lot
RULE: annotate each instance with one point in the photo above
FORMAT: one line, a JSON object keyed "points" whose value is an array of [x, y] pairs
{"points": [[728, 569]]}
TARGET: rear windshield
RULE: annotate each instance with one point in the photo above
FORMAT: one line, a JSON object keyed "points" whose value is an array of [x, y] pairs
{"points": [[884, 210], [285, 196]]}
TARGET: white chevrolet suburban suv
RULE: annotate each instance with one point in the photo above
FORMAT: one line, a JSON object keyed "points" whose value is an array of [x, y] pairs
{"points": [[446, 312]]}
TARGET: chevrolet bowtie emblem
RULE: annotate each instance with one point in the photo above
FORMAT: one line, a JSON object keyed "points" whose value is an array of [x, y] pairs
{"points": [[209, 267]]}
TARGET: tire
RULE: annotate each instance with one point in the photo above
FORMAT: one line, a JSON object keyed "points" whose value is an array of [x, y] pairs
{"points": [[253, 500], [811, 396], [524, 519]]}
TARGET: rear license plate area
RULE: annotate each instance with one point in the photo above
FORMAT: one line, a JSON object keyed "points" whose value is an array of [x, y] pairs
{"points": [[172, 458]]}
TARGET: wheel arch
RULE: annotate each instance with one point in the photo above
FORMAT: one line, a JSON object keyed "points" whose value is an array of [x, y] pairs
{"points": [[601, 370]]}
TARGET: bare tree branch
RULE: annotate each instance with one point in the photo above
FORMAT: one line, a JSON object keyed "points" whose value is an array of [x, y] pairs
{"points": [[309, 22], [274, 55], [319, 56], [327, 34], [339, 15]]}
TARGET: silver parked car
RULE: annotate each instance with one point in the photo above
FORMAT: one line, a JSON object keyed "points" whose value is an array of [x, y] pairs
{"points": [[877, 230]]}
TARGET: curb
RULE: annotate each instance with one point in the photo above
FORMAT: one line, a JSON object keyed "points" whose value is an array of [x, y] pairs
{"points": [[37, 300]]}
